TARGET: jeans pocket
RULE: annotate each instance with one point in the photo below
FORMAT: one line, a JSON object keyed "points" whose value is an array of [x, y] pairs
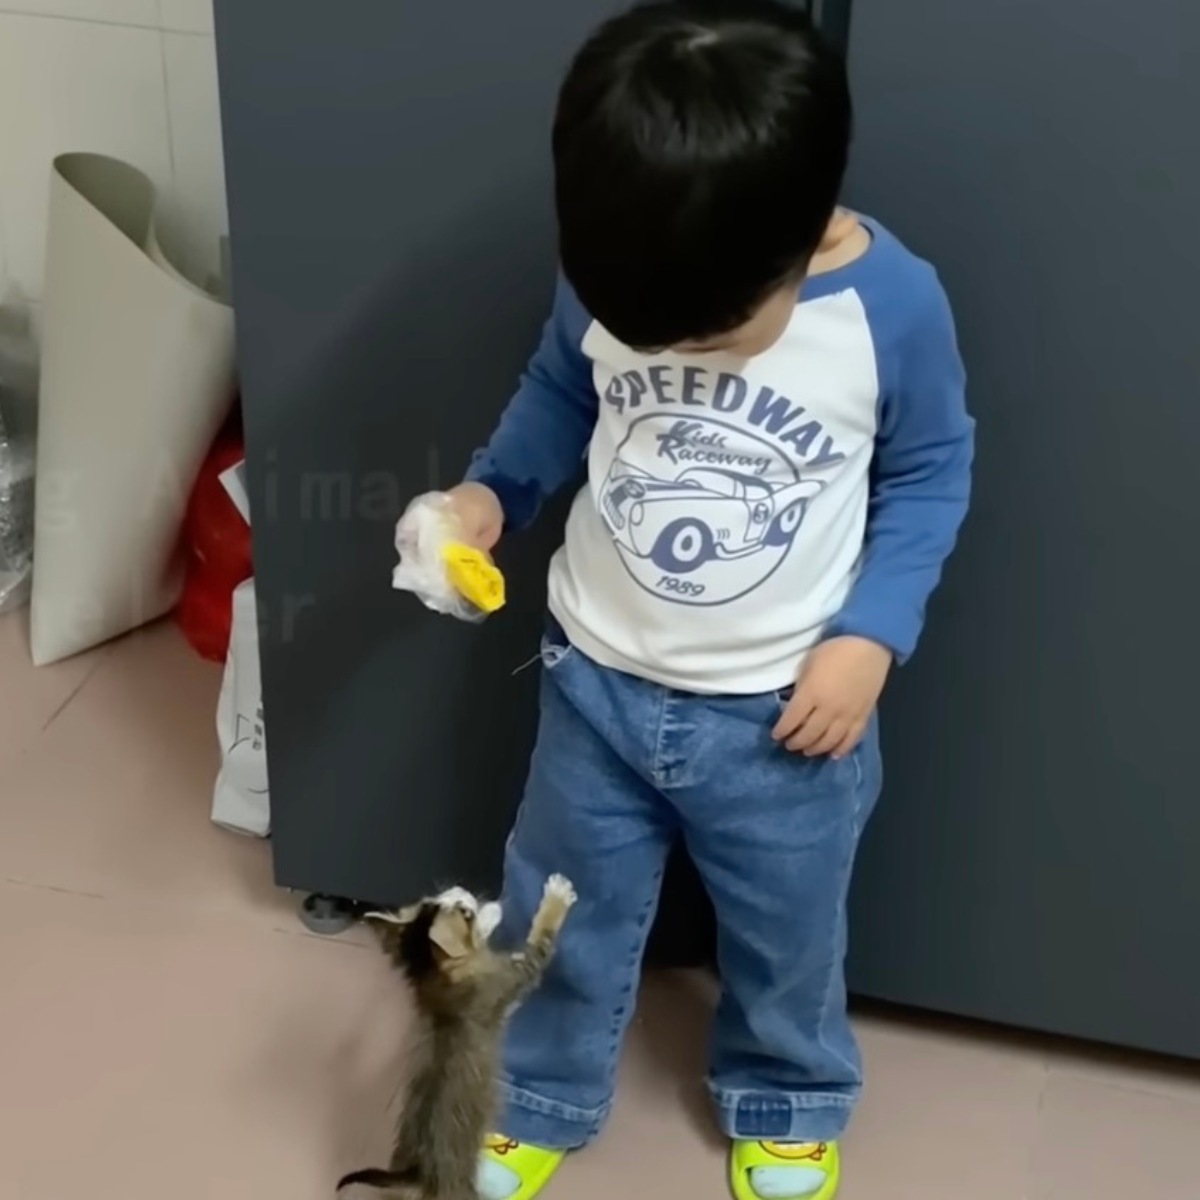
{"points": [[555, 647], [852, 764], [554, 655]]}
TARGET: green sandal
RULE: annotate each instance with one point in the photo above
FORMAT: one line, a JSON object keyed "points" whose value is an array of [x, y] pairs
{"points": [[822, 1157], [532, 1165]]}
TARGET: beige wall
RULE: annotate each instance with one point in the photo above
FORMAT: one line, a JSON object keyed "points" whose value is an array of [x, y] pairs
{"points": [[132, 78]]}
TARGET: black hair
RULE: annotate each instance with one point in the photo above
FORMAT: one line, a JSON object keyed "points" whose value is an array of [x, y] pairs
{"points": [[699, 147]]}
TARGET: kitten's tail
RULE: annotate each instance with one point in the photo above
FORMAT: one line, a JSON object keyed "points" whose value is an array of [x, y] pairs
{"points": [[398, 1183]]}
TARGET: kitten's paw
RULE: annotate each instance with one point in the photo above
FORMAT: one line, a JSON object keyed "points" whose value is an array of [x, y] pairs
{"points": [[560, 888]]}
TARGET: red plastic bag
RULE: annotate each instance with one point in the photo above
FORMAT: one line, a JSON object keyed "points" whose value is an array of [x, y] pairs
{"points": [[216, 542], [205, 614]]}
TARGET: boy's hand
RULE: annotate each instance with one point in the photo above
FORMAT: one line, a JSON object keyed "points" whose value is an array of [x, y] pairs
{"points": [[479, 513], [835, 696]]}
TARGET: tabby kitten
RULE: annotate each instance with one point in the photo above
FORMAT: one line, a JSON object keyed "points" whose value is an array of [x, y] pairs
{"points": [[464, 992]]}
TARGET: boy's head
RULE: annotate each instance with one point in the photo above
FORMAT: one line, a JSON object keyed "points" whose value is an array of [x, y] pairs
{"points": [[699, 148]]}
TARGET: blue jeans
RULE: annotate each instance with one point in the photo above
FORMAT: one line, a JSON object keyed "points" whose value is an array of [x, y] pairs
{"points": [[622, 768]]}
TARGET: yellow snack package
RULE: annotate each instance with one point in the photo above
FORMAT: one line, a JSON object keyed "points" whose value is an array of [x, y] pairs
{"points": [[475, 577]]}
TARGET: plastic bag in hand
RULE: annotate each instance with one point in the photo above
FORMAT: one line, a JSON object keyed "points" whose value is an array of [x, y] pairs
{"points": [[437, 565]]}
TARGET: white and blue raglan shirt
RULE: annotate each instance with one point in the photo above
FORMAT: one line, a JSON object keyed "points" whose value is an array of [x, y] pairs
{"points": [[739, 511]]}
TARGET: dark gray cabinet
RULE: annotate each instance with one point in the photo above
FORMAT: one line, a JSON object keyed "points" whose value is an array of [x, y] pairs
{"points": [[393, 259], [1032, 861]]}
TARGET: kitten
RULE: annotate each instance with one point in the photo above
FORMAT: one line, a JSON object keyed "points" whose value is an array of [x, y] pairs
{"points": [[464, 993]]}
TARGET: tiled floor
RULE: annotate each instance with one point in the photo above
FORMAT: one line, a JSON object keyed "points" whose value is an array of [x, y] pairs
{"points": [[167, 1029]]}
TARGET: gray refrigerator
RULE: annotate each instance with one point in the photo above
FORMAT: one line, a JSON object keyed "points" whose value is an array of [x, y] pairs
{"points": [[392, 245]]}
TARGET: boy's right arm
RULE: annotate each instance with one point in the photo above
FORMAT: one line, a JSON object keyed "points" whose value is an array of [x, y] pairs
{"points": [[539, 444]]}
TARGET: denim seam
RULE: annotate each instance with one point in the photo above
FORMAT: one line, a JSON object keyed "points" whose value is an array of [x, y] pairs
{"points": [[553, 655], [522, 1098], [797, 1101], [636, 951], [657, 774], [838, 926]]}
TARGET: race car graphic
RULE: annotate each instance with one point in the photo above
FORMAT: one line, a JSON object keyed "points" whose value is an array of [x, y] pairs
{"points": [[702, 515]]}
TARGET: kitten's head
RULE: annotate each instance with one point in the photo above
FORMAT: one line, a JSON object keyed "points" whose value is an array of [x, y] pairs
{"points": [[435, 935]]}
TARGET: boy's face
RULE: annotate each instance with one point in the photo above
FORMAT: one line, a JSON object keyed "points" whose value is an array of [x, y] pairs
{"points": [[757, 335]]}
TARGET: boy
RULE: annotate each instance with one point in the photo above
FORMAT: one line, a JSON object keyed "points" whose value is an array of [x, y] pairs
{"points": [[770, 399]]}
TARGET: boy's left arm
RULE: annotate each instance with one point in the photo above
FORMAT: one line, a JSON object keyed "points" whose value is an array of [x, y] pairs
{"points": [[920, 489]]}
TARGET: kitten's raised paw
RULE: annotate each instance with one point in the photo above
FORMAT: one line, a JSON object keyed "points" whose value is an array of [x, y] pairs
{"points": [[560, 888]]}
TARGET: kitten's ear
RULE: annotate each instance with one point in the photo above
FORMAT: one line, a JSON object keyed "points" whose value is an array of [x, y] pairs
{"points": [[401, 918], [383, 918], [389, 927], [451, 934], [488, 921]]}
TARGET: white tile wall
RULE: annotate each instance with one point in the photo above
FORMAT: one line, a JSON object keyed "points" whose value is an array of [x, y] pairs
{"points": [[133, 78], [187, 16], [115, 12], [197, 201]]}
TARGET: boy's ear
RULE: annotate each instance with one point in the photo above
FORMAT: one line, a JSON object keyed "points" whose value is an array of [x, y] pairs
{"points": [[451, 934]]}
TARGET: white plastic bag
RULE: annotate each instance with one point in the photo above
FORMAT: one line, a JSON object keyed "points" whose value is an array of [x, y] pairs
{"points": [[18, 420], [241, 800], [16, 521], [422, 534]]}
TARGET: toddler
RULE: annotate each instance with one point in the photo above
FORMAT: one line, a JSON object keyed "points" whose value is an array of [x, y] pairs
{"points": [[769, 399]]}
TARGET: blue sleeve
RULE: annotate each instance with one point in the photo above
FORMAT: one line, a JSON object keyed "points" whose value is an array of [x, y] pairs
{"points": [[539, 445], [920, 476]]}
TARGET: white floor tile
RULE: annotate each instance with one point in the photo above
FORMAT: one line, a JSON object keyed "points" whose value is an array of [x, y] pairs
{"points": [[166, 1027]]}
